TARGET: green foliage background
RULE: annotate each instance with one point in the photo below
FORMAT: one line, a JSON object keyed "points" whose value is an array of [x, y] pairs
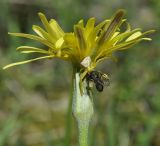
{"points": [[34, 98]]}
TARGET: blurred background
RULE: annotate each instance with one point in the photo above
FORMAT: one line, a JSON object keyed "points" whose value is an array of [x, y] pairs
{"points": [[35, 98]]}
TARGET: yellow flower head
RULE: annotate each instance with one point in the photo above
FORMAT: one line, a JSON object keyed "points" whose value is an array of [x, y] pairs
{"points": [[87, 45]]}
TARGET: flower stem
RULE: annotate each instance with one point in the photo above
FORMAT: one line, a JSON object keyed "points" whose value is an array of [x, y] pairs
{"points": [[83, 133], [82, 109]]}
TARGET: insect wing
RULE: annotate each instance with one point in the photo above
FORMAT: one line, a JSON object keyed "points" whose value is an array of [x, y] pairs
{"points": [[106, 80]]}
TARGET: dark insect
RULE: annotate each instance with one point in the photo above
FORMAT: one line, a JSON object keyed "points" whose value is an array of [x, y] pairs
{"points": [[100, 79]]}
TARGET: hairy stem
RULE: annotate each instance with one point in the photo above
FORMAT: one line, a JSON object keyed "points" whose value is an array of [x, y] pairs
{"points": [[83, 133], [82, 109]]}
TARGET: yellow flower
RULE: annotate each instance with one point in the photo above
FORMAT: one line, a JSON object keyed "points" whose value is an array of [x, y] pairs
{"points": [[52, 38], [87, 45], [91, 44]]}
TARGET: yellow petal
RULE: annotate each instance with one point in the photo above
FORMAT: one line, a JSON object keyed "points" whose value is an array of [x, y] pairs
{"points": [[46, 24], [56, 28], [138, 35], [147, 39], [37, 30], [81, 23], [79, 33], [70, 39], [27, 61], [43, 34], [115, 34], [59, 43], [29, 49], [111, 27], [124, 45], [89, 26], [134, 36], [33, 37], [118, 38]]}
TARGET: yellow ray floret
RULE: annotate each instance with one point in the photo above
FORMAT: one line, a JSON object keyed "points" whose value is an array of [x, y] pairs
{"points": [[87, 45]]}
